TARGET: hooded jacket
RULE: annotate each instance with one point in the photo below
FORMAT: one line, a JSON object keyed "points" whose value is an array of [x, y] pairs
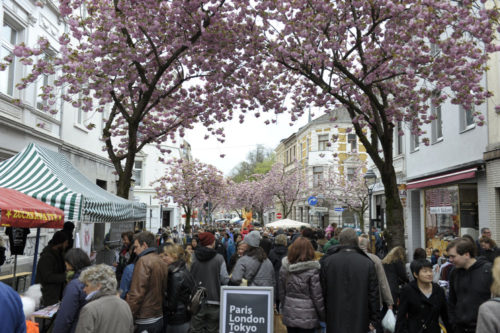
{"points": [[209, 271], [469, 288], [301, 298], [250, 268], [51, 274], [416, 310]]}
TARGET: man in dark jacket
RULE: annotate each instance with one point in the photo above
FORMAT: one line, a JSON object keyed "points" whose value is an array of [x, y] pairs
{"points": [[350, 286], [208, 270], [470, 284], [51, 270], [149, 283]]}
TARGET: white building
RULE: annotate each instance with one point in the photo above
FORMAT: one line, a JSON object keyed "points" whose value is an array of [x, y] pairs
{"points": [[147, 170], [66, 131], [446, 181]]}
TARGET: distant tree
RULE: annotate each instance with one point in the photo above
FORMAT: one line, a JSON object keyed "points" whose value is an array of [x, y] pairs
{"points": [[189, 184], [348, 190], [258, 161], [286, 187]]}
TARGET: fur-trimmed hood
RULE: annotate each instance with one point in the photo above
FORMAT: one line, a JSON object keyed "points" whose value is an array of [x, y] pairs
{"points": [[299, 266]]}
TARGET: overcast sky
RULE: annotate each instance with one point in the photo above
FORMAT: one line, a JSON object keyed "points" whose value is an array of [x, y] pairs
{"points": [[240, 139]]}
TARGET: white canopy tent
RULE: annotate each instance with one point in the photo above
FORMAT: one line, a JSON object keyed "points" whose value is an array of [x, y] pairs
{"points": [[287, 223]]}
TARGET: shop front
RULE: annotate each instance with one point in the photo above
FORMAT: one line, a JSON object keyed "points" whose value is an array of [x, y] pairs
{"points": [[450, 212], [450, 207]]}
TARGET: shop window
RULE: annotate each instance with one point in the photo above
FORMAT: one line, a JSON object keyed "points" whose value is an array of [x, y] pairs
{"points": [[450, 212]]}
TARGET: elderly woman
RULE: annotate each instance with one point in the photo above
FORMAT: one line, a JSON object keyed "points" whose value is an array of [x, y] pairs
{"points": [[105, 311]]}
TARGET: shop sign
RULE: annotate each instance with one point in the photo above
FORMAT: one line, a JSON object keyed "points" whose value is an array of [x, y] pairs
{"points": [[441, 210]]}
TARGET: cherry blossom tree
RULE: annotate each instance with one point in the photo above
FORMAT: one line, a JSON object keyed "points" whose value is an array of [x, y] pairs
{"points": [[189, 184], [384, 61], [285, 185], [348, 190], [153, 67]]}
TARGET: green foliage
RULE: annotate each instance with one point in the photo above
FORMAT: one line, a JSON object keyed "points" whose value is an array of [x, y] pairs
{"points": [[259, 161]]}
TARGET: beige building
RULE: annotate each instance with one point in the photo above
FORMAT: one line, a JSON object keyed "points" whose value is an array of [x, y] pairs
{"points": [[316, 152]]}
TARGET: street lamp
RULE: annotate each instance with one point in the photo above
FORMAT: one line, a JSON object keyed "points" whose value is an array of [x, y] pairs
{"points": [[370, 178]]}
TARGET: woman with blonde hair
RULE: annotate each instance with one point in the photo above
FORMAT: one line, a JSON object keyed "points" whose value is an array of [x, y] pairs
{"points": [[180, 283], [395, 270], [489, 311]]}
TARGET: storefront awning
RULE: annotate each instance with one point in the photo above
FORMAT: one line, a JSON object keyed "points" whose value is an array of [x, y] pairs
{"points": [[442, 179], [49, 177], [22, 211]]}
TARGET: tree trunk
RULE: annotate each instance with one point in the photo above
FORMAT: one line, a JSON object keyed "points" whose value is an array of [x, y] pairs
{"points": [[187, 227], [361, 219], [394, 234]]}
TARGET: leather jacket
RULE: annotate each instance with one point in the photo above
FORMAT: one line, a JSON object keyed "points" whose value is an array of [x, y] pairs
{"points": [[149, 284]]}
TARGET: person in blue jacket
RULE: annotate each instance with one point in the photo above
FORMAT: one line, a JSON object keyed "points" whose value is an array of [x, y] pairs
{"points": [[11, 309], [73, 297], [126, 280]]}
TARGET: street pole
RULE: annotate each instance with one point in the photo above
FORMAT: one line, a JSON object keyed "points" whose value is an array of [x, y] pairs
{"points": [[370, 220]]}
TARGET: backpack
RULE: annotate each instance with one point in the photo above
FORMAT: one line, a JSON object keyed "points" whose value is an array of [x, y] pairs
{"points": [[197, 299]]}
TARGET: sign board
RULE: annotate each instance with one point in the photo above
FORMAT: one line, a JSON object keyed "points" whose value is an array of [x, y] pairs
{"points": [[312, 200], [246, 309], [319, 210], [441, 210], [339, 209], [278, 215]]}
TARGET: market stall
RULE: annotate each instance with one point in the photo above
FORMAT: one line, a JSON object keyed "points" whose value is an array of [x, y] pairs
{"points": [[19, 212]]}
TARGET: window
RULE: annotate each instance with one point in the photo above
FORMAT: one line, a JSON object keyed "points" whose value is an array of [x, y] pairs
{"points": [[43, 80], [466, 118], [317, 176], [323, 142], [350, 173], [398, 140], [137, 173], [9, 38], [352, 143], [415, 141], [437, 123]]}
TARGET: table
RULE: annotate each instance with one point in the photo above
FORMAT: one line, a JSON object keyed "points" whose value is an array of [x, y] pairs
{"points": [[19, 275], [46, 314]]}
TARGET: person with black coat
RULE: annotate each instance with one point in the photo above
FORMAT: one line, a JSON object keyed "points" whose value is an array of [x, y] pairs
{"points": [[180, 284], [422, 302], [350, 287], [276, 255], [470, 284], [51, 269], [395, 270]]}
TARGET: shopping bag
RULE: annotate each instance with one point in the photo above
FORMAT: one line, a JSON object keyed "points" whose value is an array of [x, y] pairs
{"points": [[279, 327], [389, 321]]}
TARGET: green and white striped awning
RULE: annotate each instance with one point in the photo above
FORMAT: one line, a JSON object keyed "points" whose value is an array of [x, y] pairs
{"points": [[49, 177]]}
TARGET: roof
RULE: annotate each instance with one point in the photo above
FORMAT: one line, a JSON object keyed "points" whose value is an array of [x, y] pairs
{"points": [[48, 176], [22, 211]]}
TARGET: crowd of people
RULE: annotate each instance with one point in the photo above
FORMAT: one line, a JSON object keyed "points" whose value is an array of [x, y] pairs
{"points": [[333, 280]]}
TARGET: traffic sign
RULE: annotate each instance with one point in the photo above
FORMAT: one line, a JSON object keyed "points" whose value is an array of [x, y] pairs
{"points": [[312, 200], [339, 209], [278, 215], [318, 210]]}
